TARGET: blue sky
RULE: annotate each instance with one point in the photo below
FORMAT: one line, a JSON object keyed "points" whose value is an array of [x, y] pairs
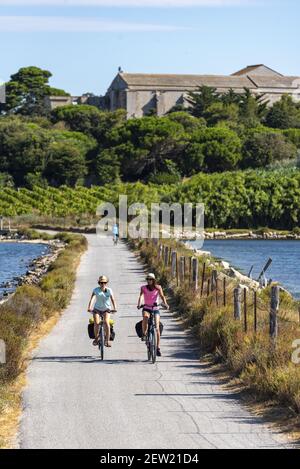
{"points": [[82, 42]]}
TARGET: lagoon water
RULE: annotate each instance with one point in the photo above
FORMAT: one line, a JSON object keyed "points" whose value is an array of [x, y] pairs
{"points": [[242, 254], [15, 259]]}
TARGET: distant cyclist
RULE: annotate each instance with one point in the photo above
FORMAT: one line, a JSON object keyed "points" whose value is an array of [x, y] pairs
{"points": [[149, 296], [104, 299], [115, 232]]}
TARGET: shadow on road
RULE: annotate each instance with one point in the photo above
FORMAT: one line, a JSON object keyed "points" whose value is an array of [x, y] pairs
{"points": [[83, 359]]}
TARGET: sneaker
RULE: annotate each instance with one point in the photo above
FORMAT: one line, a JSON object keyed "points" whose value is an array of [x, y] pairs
{"points": [[158, 352]]}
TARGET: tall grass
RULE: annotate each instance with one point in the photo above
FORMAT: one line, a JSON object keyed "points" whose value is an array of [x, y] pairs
{"points": [[251, 357], [31, 305]]}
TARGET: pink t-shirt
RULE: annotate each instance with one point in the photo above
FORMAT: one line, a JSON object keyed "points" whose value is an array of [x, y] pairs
{"points": [[150, 296]]}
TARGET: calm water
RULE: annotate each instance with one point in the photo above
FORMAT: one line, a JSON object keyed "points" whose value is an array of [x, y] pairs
{"points": [[243, 254], [15, 259]]}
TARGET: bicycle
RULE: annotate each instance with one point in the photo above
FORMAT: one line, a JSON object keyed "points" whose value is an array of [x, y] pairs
{"points": [[101, 342], [151, 340]]}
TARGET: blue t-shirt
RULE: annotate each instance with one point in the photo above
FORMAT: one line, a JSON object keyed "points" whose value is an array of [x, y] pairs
{"points": [[115, 230], [102, 298]]}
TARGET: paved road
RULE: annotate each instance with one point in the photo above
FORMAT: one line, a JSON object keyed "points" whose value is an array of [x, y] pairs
{"points": [[75, 401]]}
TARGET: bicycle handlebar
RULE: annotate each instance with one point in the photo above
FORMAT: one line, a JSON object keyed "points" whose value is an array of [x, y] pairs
{"points": [[155, 305], [110, 311]]}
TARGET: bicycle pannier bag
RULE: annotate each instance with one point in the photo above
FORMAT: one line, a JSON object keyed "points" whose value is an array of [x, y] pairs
{"points": [[112, 333], [139, 329], [91, 331]]}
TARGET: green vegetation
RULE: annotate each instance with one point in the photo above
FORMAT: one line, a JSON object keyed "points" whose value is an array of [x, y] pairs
{"points": [[243, 199], [82, 145], [26, 92], [31, 154], [65, 162], [250, 357], [31, 306]]}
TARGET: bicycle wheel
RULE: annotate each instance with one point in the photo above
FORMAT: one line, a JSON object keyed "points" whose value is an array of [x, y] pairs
{"points": [[148, 342], [101, 342], [153, 346]]}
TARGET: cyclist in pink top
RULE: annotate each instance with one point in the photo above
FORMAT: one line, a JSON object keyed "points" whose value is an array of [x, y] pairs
{"points": [[151, 294]]}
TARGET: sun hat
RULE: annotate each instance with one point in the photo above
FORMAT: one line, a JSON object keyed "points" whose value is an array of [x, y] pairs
{"points": [[150, 277], [103, 279]]}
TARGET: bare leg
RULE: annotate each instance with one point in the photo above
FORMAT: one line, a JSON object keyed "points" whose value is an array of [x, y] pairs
{"points": [[145, 323], [96, 327], [107, 328]]}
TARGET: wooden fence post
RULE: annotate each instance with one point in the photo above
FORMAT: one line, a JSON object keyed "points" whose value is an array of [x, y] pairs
{"points": [[203, 278], [166, 260], [208, 287], [214, 276], [170, 256], [217, 292], [195, 270], [190, 270], [237, 303], [174, 264], [160, 251], [181, 269], [255, 311], [245, 311], [224, 291], [275, 295]]}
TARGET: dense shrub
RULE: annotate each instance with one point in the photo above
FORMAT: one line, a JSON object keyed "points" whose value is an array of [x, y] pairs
{"points": [[262, 149]]}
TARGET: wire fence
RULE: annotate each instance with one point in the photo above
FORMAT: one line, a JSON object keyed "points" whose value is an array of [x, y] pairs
{"points": [[255, 313]]}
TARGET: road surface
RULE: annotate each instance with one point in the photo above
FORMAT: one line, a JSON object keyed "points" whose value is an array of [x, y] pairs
{"points": [[73, 400]]}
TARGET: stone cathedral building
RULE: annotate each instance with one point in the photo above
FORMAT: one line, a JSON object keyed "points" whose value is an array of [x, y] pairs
{"points": [[140, 94]]}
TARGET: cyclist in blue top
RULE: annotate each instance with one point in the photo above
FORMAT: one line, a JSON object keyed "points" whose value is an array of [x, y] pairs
{"points": [[104, 298], [115, 232]]}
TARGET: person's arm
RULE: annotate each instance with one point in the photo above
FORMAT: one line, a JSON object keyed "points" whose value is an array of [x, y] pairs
{"points": [[113, 302], [161, 294], [140, 299], [90, 303]]}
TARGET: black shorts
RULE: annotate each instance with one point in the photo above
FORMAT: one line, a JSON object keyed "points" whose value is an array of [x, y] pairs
{"points": [[149, 310]]}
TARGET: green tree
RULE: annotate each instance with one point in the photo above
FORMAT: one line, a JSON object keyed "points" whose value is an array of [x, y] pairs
{"points": [[284, 114], [6, 180], [212, 150], [107, 167], [221, 113], [89, 120], [261, 149], [144, 145], [253, 109], [231, 97], [23, 149], [26, 92], [170, 175], [65, 164], [188, 122], [202, 99]]}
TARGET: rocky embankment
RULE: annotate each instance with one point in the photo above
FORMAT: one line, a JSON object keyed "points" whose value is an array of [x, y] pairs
{"points": [[226, 270], [40, 266], [36, 269], [250, 235], [246, 235]]}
